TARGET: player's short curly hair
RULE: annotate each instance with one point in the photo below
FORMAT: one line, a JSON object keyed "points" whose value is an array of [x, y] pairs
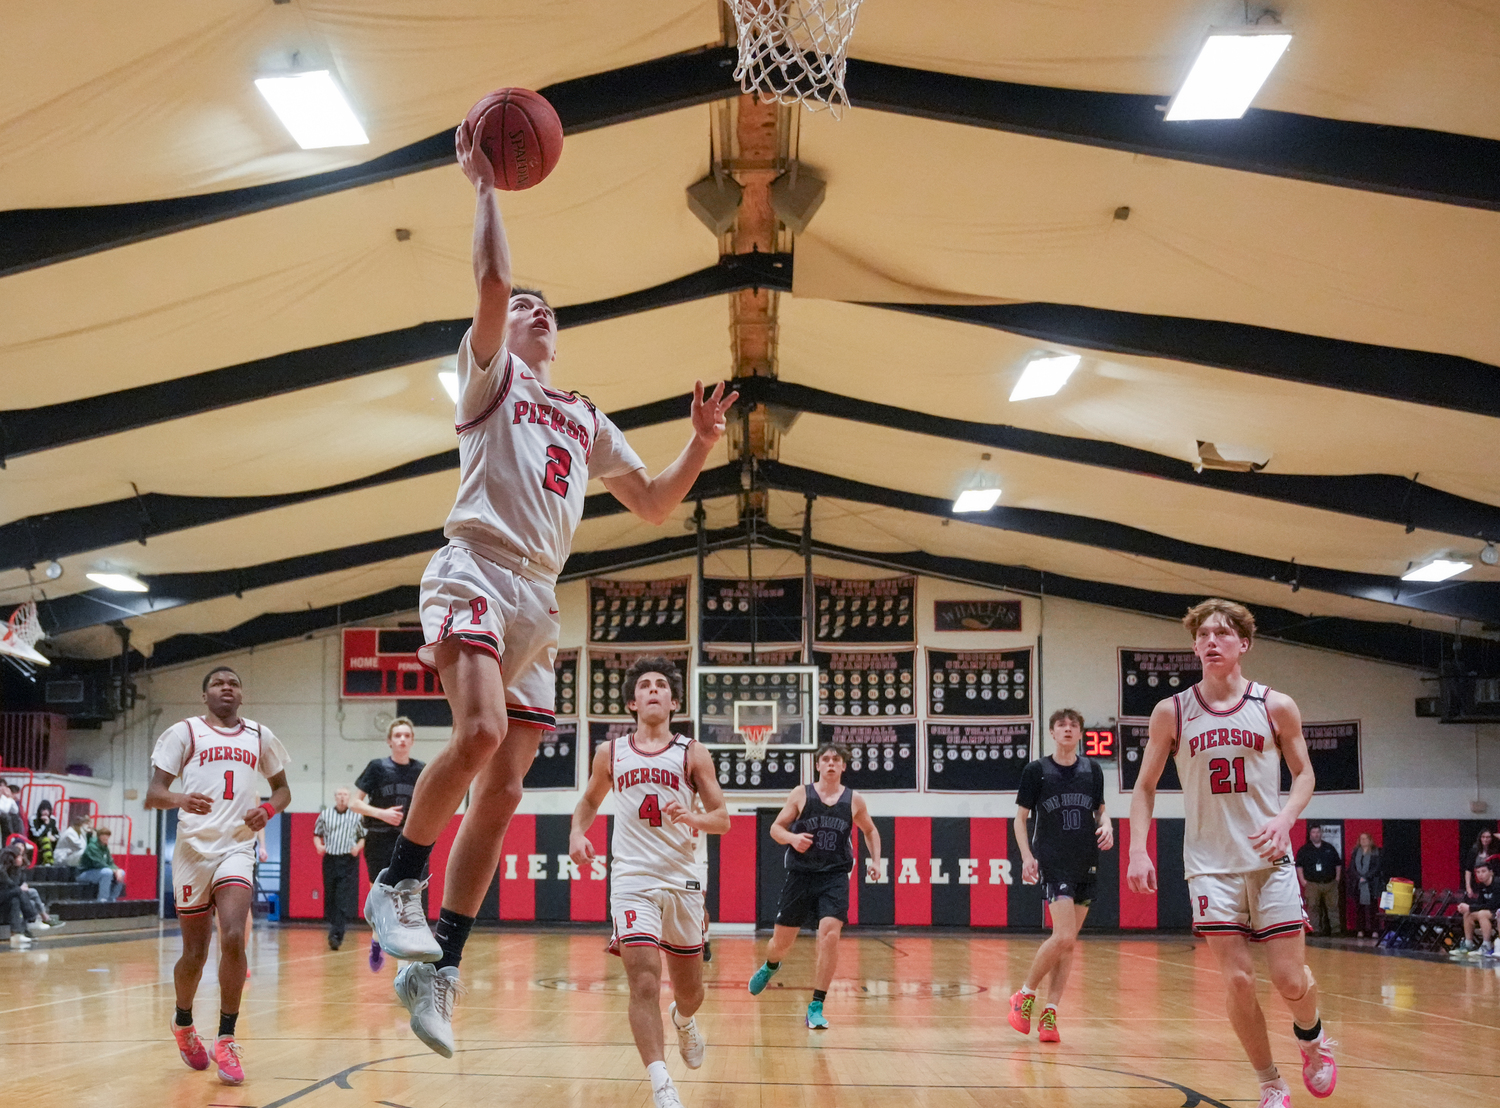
{"points": [[652, 664], [207, 677], [537, 293], [1236, 615]]}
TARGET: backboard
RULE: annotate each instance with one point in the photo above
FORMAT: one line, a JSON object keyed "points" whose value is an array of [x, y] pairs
{"points": [[727, 698]]}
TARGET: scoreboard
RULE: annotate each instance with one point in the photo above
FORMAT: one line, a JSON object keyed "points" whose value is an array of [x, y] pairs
{"points": [[382, 662], [1099, 743]]}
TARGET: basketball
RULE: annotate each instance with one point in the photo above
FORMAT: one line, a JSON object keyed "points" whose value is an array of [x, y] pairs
{"points": [[521, 135]]}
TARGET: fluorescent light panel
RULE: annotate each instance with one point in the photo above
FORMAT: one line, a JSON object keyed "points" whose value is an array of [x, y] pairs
{"points": [[449, 378], [1044, 375], [312, 107], [1439, 569], [1231, 67], [120, 582], [976, 500]]}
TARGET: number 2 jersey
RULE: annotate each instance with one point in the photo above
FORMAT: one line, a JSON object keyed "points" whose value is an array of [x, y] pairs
{"points": [[644, 842], [1230, 766], [224, 765], [526, 454]]}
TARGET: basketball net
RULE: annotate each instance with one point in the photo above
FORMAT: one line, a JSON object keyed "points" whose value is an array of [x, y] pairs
{"points": [[757, 738], [794, 51], [22, 632]]}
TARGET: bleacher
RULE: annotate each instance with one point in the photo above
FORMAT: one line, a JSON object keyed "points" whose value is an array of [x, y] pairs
{"points": [[69, 900]]}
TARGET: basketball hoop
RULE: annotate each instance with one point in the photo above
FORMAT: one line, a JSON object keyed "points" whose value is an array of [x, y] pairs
{"points": [[757, 738], [22, 632], [794, 51]]}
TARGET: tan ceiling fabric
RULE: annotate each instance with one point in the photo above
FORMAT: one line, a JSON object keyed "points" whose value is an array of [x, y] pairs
{"points": [[1010, 216], [963, 371], [1410, 63], [159, 101], [331, 269]]}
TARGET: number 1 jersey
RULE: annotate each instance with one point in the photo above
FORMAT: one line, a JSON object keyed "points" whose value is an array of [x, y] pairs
{"points": [[526, 454], [1230, 766], [224, 765], [645, 842]]}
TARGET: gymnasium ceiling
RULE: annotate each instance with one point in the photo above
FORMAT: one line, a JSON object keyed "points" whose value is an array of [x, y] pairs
{"points": [[218, 344]]}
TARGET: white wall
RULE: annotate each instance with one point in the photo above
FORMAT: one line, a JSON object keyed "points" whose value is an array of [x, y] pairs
{"points": [[1413, 768]]}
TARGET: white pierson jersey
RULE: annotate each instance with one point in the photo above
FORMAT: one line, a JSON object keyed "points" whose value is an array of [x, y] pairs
{"points": [[1230, 766], [224, 765], [645, 843], [525, 457]]}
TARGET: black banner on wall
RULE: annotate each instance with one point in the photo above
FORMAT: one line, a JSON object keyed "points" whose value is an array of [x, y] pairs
{"points": [[1132, 747], [556, 762], [979, 682], [565, 676], [1147, 676], [1333, 749], [976, 615], [977, 757], [866, 683], [882, 756], [607, 694], [773, 655], [638, 611], [864, 610], [727, 610]]}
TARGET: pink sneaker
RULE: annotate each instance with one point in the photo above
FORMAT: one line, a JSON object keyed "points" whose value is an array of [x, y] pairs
{"points": [[1020, 1011], [190, 1047], [227, 1055], [1275, 1095], [1319, 1071]]}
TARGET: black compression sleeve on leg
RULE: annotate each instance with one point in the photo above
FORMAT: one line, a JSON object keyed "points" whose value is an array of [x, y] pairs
{"points": [[184, 1017], [820, 995], [1310, 1034], [408, 861], [452, 932], [773, 966], [226, 1022]]}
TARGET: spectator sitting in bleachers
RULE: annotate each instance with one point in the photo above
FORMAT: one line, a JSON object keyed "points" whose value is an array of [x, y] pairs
{"points": [[1480, 907], [44, 833], [98, 867], [13, 870], [11, 822], [16, 908], [71, 843]]}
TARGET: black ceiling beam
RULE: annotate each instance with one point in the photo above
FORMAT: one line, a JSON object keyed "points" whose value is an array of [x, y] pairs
{"points": [[1415, 376], [1401, 161], [35, 237], [1476, 601], [28, 430]]}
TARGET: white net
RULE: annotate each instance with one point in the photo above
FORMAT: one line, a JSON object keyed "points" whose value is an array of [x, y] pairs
{"points": [[795, 51], [21, 633], [757, 739]]}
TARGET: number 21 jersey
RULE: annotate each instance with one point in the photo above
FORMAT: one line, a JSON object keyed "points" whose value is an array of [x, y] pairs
{"points": [[526, 454], [1230, 766]]}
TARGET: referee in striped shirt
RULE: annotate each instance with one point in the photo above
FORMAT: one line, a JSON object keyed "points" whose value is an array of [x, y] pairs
{"points": [[339, 836]]}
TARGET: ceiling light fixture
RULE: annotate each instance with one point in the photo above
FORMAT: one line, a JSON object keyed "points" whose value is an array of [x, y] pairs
{"points": [[1439, 569], [1490, 555], [1232, 65], [312, 107], [1044, 375], [449, 378], [119, 582], [976, 500]]}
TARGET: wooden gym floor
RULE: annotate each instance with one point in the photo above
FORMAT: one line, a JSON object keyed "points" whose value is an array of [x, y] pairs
{"points": [[917, 1021]]}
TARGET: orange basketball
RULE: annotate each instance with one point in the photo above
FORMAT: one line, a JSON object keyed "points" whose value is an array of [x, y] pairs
{"points": [[521, 135]]}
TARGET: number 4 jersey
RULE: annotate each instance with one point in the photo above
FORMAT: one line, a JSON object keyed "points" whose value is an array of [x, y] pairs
{"points": [[224, 765], [526, 454], [645, 842], [1230, 766]]}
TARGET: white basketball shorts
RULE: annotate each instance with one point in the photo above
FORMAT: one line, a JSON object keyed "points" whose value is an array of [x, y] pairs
{"points": [[466, 596], [196, 877], [647, 912], [1261, 905]]}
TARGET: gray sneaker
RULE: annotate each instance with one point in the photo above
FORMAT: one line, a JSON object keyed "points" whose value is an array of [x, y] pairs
{"points": [[395, 913], [690, 1041], [666, 1096], [428, 994]]}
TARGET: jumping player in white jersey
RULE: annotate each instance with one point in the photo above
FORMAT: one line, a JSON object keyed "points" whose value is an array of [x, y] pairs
{"points": [[1229, 735], [488, 610], [218, 756], [656, 887]]}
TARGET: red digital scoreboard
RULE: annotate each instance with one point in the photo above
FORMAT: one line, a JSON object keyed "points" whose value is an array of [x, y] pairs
{"points": [[382, 662], [1099, 742]]}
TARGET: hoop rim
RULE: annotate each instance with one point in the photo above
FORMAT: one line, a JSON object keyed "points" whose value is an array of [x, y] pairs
{"points": [[757, 740]]}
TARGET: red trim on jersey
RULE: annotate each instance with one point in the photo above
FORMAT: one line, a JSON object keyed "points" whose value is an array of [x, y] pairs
{"points": [[220, 730], [181, 911], [565, 397], [1221, 929], [1177, 711], [1279, 930], [460, 428], [1249, 688], [192, 744], [233, 881], [529, 707], [652, 754]]}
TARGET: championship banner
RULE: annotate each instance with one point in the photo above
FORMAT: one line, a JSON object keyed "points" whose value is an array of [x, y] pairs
{"points": [[556, 763], [607, 694], [1333, 749], [979, 682], [977, 757], [565, 678], [866, 683], [638, 611], [1132, 747], [976, 615], [1148, 676], [864, 610], [775, 655], [882, 756], [727, 610]]}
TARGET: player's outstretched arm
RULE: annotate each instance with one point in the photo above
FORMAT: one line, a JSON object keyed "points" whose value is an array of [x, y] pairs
{"points": [[1142, 873], [653, 498], [281, 796], [580, 849], [159, 794], [781, 829], [1275, 839], [867, 828], [714, 819], [492, 275]]}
